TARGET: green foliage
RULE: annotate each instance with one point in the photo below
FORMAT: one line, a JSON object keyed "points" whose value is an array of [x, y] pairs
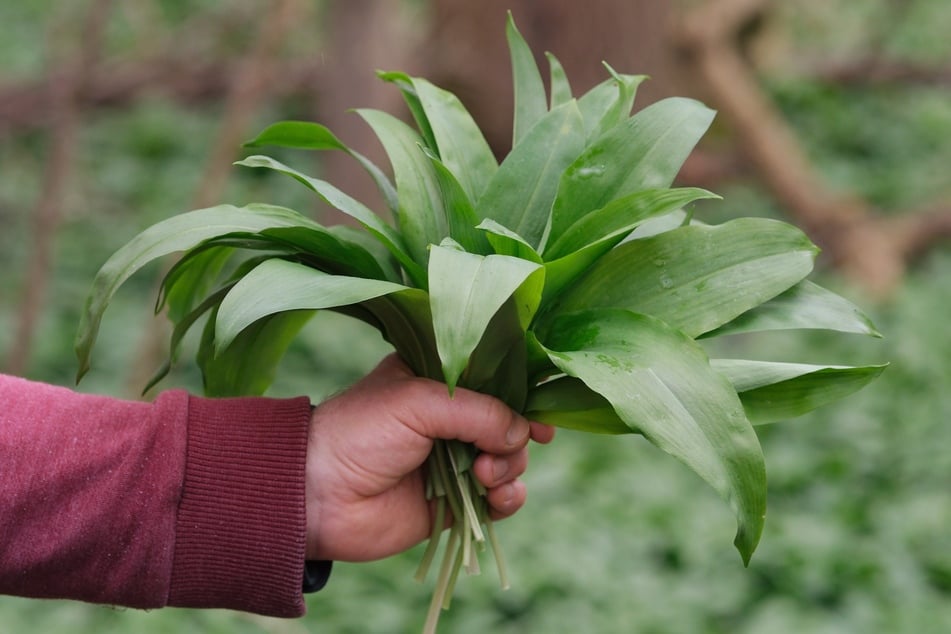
{"points": [[856, 539], [617, 312]]}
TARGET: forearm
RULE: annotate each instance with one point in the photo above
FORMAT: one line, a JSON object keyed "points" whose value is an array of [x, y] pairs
{"points": [[186, 501]]}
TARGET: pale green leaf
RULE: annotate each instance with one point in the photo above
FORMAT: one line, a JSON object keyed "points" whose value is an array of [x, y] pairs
{"points": [[528, 88], [595, 103], [506, 242], [405, 83], [644, 152], [340, 250], [347, 204], [622, 216], [305, 135], [179, 233], [804, 306], [560, 88], [567, 402], [660, 382], [520, 194], [277, 286], [421, 217], [466, 291], [461, 218], [698, 277], [498, 364], [620, 108], [190, 279], [772, 392], [405, 321], [459, 141], [247, 366], [182, 325]]}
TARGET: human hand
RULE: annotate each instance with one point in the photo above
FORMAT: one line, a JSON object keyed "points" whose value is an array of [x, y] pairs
{"points": [[365, 485]]}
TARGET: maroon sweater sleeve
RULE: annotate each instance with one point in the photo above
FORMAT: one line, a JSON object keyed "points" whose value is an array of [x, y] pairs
{"points": [[186, 501]]}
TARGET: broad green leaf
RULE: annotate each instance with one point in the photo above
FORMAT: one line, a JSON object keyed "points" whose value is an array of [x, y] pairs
{"points": [[405, 320], [182, 326], [459, 140], [529, 90], [804, 306], [405, 83], [461, 219], [340, 250], [188, 281], [304, 135], [498, 365], [560, 273], [644, 152], [560, 88], [350, 206], [507, 242], [246, 367], [660, 382], [567, 402], [421, 217], [179, 233], [698, 277], [772, 392], [620, 108], [521, 192], [277, 286], [595, 103], [466, 290], [603, 106], [622, 216]]}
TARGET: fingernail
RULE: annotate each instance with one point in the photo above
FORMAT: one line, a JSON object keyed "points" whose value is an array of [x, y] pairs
{"points": [[500, 466], [516, 433]]}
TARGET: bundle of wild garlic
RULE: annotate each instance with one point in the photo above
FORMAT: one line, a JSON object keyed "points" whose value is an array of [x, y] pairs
{"points": [[567, 281]]}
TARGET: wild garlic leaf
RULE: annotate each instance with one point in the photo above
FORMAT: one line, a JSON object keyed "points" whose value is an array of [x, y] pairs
{"points": [[506, 242], [305, 135], [421, 217], [773, 391], [529, 90], [696, 278], [466, 290], [247, 365], [498, 364], [567, 402], [182, 325], [277, 286], [521, 192], [461, 219], [644, 152], [345, 203], [179, 233], [620, 109], [190, 279], [804, 306], [660, 382], [405, 83], [455, 136], [560, 87], [405, 320], [621, 216], [340, 250]]}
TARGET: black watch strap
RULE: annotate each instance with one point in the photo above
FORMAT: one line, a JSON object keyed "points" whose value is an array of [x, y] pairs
{"points": [[316, 574]]}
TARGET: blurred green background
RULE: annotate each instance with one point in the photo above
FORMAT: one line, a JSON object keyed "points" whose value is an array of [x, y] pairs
{"points": [[616, 537]]}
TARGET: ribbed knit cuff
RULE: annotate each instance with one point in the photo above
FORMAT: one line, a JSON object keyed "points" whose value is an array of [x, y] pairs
{"points": [[240, 530]]}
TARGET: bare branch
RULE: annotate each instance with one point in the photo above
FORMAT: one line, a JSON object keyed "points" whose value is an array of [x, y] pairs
{"points": [[843, 225]]}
